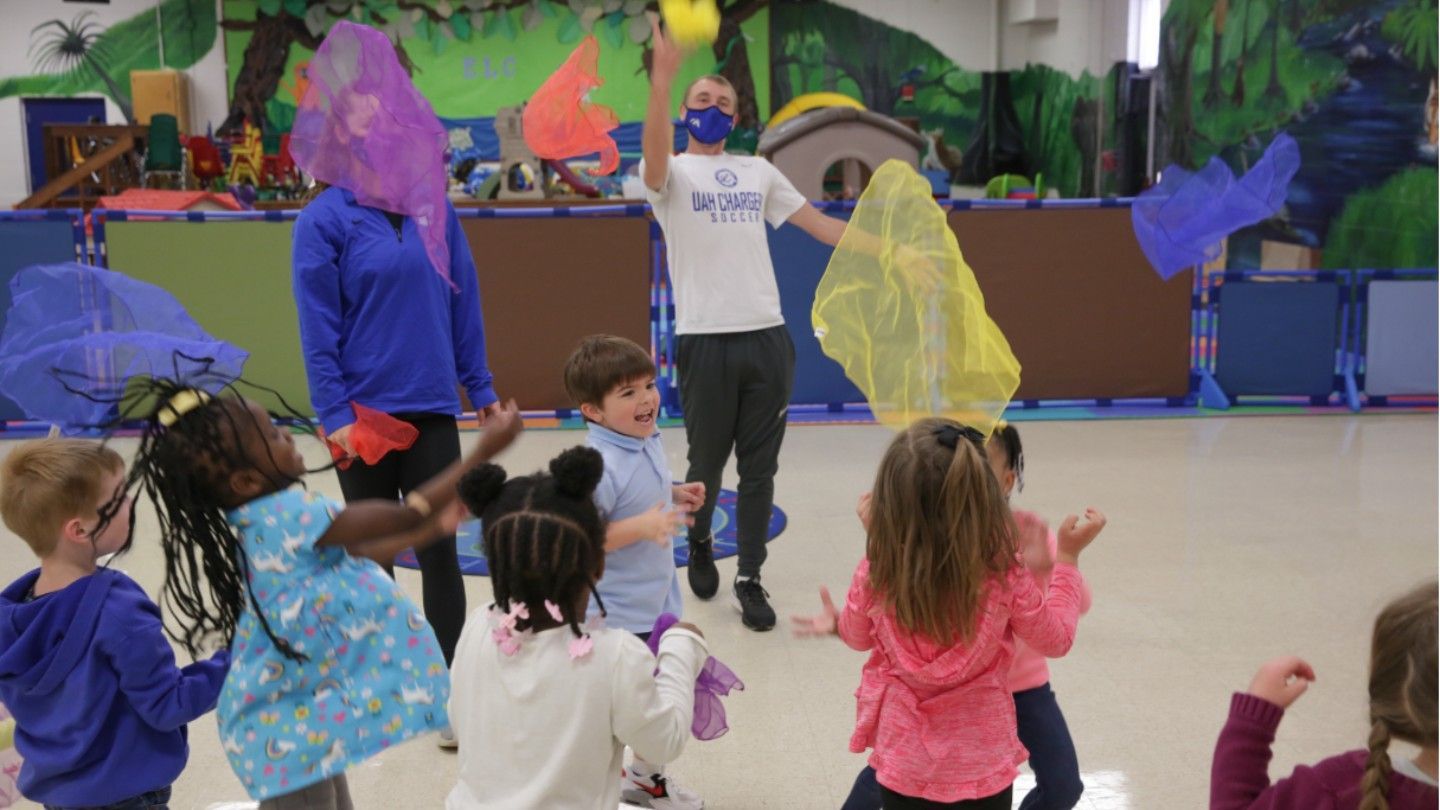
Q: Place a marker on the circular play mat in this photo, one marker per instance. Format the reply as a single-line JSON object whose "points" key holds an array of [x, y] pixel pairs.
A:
{"points": [[472, 555]]}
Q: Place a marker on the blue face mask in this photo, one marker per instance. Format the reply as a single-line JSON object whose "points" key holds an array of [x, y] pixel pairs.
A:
{"points": [[709, 125]]}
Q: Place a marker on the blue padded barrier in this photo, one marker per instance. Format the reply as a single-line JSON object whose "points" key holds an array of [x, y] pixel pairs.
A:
{"points": [[1279, 334]]}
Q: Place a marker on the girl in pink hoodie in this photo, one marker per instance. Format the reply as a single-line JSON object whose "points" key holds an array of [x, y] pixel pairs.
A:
{"points": [[938, 601]]}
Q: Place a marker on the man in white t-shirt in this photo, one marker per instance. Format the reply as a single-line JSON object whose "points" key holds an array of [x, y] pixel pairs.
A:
{"points": [[735, 359]]}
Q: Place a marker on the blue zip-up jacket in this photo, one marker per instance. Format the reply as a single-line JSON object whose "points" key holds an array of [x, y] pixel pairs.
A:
{"points": [[100, 707], [378, 325]]}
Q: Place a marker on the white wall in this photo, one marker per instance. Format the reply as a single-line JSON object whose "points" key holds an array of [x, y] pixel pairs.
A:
{"points": [[962, 30], [1073, 36], [1082, 35], [208, 95]]}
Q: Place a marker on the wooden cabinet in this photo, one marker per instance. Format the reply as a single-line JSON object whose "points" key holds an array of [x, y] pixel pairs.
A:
{"points": [[161, 91]]}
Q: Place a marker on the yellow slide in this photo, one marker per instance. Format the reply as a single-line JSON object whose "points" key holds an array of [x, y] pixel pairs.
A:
{"points": [[808, 102]]}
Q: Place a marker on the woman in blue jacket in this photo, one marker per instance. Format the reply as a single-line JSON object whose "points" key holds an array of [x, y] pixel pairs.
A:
{"points": [[380, 328]]}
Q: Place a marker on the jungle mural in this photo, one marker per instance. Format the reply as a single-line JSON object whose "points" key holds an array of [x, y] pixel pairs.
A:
{"points": [[76, 55], [473, 57], [1042, 121], [1353, 81]]}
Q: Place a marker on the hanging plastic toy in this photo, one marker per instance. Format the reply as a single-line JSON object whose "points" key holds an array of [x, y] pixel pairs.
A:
{"points": [[691, 23], [364, 127], [75, 334], [902, 313], [1181, 221], [561, 122]]}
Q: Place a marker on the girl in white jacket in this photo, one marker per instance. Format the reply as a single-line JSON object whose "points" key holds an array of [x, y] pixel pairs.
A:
{"points": [[543, 702]]}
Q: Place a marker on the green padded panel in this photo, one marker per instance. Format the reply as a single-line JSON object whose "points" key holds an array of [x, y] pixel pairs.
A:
{"points": [[234, 279]]}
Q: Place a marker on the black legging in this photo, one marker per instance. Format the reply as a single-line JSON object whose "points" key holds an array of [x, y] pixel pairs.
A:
{"points": [[397, 473], [896, 801]]}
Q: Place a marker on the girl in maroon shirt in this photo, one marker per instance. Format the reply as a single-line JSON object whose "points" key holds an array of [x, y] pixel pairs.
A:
{"points": [[1403, 688]]}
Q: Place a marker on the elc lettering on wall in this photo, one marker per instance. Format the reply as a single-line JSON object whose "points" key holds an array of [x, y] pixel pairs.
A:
{"points": [[485, 68]]}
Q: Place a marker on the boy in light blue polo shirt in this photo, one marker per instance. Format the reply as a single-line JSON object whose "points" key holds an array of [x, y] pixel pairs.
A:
{"points": [[612, 380]]}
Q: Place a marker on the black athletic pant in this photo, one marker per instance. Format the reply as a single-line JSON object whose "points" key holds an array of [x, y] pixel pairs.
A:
{"points": [[397, 473], [735, 390]]}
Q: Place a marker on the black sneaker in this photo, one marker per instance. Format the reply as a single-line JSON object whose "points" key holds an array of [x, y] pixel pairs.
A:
{"points": [[752, 602], [700, 570]]}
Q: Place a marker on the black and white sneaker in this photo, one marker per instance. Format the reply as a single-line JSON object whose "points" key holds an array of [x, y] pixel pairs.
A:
{"points": [[753, 603], [700, 570]]}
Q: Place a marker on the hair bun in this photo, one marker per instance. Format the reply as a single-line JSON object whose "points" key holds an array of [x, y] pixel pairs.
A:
{"points": [[577, 472], [480, 486]]}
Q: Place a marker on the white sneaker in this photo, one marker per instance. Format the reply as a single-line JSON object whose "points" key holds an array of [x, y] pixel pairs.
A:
{"points": [[659, 792], [447, 739]]}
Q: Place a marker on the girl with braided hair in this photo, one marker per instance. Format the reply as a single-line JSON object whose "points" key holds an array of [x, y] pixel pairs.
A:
{"points": [[1403, 684], [543, 700], [332, 664]]}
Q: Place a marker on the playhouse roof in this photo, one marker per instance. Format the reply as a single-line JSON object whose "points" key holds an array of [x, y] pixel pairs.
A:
{"points": [[152, 199], [803, 125]]}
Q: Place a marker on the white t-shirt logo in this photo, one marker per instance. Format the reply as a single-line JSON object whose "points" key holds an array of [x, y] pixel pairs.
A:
{"points": [[726, 178]]}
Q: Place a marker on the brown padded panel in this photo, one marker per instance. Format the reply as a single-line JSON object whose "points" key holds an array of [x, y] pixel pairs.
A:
{"points": [[547, 283], [1083, 310]]}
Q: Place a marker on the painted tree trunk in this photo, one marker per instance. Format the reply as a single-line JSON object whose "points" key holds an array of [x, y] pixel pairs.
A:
{"points": [[260, 73], [1177, 54], [734, 57], [1217, 42], [1274, 90]]}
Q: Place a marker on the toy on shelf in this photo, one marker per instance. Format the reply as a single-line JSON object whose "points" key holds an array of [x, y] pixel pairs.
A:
{"points": [[247, 158], [205, 161], [278, 169], [520, 170]]}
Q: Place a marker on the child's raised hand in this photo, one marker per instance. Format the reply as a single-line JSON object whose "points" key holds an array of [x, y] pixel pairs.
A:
{"points": [[1078, 532], [501, 428], [862, 511], [825, 624], [1282, 680], [1035, 544], [689, 497], [661, 524]]}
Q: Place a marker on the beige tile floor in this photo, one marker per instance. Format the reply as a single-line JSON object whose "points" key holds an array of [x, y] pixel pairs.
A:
{"points": [[1230, 541]]}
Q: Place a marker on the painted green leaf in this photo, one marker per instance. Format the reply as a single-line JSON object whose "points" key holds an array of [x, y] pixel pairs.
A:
{"points": [[269, 7], [460, 24], [508, 29], [615, 29], [569, 32], [296, 8], [492, 23], [547, 8]]}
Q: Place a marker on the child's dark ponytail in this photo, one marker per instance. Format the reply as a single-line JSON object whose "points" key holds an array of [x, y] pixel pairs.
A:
{"points": [[1009, 440]]}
